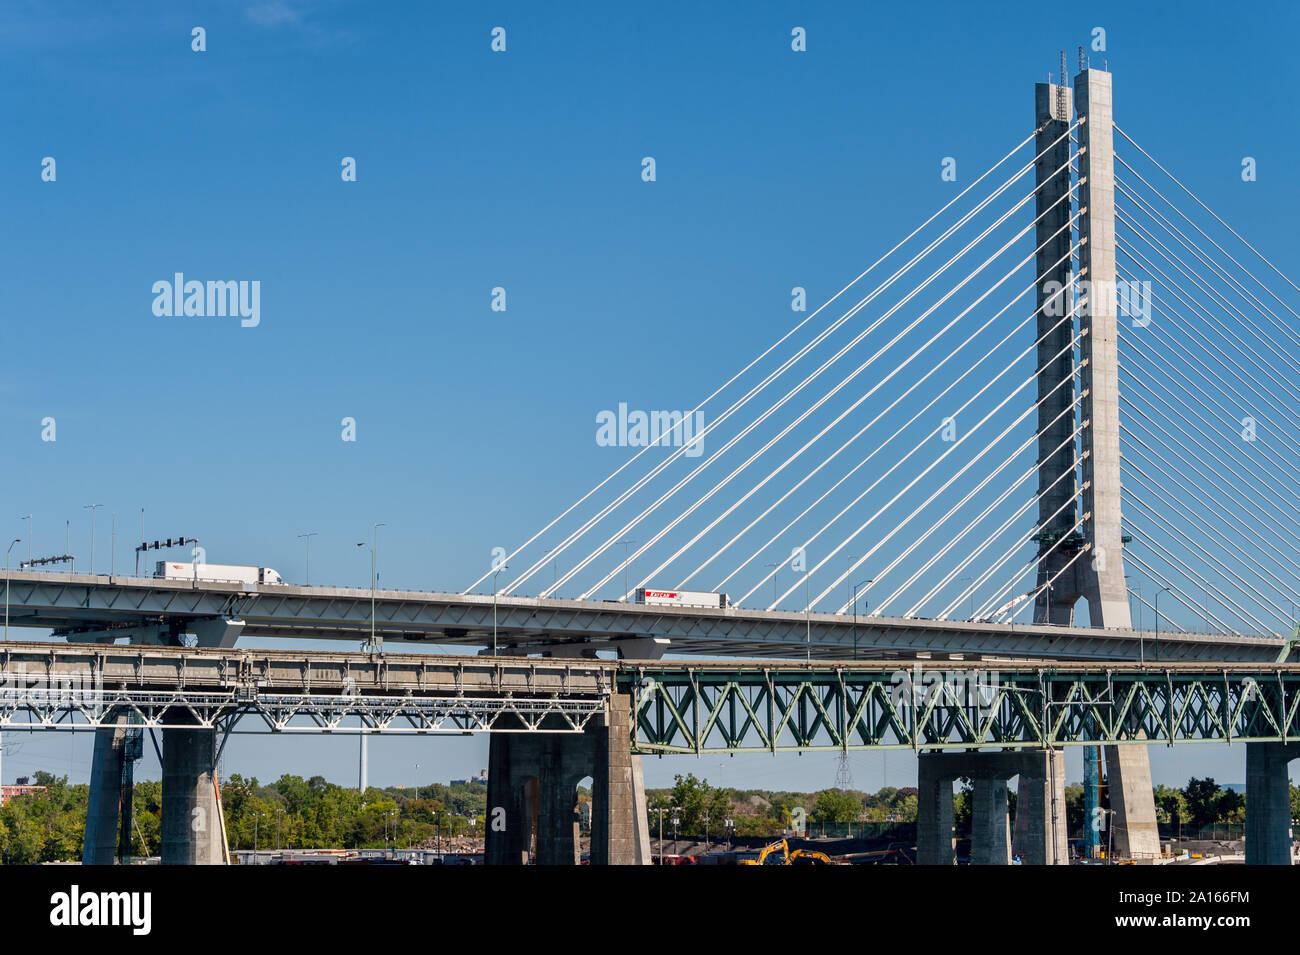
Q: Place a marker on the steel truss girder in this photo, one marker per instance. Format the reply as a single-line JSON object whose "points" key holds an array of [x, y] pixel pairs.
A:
{"points": [[294, 713], [689, 710]]}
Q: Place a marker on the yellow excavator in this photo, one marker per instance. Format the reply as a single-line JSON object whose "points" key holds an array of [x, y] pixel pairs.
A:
{"points": [[777, 853], [809, 857]]}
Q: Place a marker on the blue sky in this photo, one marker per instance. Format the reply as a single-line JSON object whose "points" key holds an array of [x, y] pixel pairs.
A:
{"points": [[477, 170]]}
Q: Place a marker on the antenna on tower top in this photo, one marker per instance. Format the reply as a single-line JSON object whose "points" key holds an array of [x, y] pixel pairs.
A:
{"points": [[1083, 60], [1064, 72]]}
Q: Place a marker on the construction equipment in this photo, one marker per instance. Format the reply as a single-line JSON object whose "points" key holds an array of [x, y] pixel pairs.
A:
{"points": [[810, 857], [768, 855]]}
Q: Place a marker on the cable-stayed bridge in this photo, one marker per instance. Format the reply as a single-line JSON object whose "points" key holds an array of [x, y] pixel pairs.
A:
{"points": [[1071, 387]]}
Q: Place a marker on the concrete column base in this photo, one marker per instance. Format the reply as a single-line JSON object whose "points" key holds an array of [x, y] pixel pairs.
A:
{"points": [[103, 811], [532, 795], [990, 823], [1268, 803], [1040, 808], [1132, 802], [192, 829]]}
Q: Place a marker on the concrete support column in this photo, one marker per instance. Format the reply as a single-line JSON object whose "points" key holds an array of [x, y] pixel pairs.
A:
{"points": [[1132, 802], [552, 765], [99, 847], [509, 806], [192, 829], [620, 825], [990, 824], [1041, 837], [934, 844], [1268, 803]]}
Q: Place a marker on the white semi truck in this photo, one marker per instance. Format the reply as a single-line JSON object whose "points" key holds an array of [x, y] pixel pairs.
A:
{"points": [[682, 598], [175, 570]]}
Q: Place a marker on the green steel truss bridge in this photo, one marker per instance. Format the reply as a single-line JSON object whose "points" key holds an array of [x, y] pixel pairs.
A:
{"points": [[679, 707], [769, 709]]}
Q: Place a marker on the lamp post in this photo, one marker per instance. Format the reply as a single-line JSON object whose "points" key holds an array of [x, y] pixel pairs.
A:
{"points": [[309, 535], [778, 567], [16, 540], [1158, 593], [807, 613], [869, 580], [625, 544], [374, 548], [494, 605], [91, 508]]}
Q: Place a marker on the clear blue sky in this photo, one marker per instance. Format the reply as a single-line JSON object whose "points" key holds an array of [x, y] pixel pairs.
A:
{"points": [[478, 170]]}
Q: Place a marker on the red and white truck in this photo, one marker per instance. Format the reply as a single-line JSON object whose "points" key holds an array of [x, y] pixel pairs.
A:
{"points": [[682, 598]]}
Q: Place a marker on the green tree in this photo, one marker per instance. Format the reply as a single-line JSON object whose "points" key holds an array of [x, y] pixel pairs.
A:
{"points": [[835, 806]]}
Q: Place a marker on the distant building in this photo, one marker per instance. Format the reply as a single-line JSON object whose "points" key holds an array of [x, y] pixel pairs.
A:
{"points": [[22, 787], [481, 779]]}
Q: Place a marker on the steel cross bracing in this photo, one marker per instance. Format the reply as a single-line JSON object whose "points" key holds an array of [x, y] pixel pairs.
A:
{"points": [[698, 709], [80, 688], [95, 608]]}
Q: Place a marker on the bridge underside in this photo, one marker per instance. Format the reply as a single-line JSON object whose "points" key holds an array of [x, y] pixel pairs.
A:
{"points": [[101, 609]]}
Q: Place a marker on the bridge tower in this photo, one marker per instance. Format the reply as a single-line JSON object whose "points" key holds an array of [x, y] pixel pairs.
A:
{"points": [[1098, 575]]}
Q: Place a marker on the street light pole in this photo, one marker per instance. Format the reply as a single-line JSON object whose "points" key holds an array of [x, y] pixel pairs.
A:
{"points": [[625, 558], [16, 540], [1158, 593], [869, 580], [91, 508], [374, 548], [807, 612], [494, 605], [309, 535]]}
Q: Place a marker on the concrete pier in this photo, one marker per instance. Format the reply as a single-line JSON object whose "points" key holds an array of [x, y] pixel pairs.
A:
{"points": [[1040, 807], [192, 828], [1268, 803], [532, 794], [103, 811]]}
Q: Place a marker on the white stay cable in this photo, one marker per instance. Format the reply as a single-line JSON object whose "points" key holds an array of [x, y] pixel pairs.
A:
{"points": [[1178, 594], [667, 495], [554, 552], [1009, 615], [958, 507], [948, 205], [1205, 443], [1193, 576], [1146, 482], [904, 458], [895, 370], [1203, 286], [933, 370], [997, 532], [1215, 267], [999, 595], [1229, 390], [1177, 182], [948, 483]]}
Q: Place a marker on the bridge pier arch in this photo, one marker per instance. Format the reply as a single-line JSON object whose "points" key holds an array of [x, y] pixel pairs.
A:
{"points": [[1268, 802], [1040, 837], [532, 794]]}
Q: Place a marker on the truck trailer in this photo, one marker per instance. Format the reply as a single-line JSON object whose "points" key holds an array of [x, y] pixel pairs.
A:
{"points": [[175, 570], [682, 598]]}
